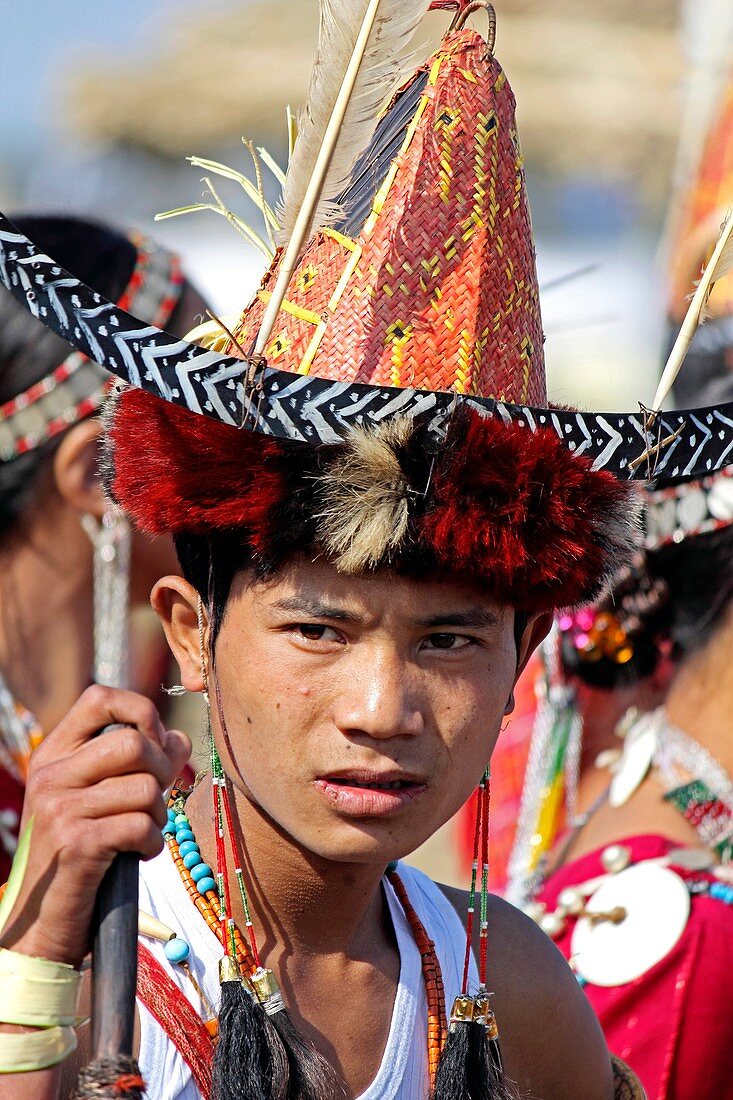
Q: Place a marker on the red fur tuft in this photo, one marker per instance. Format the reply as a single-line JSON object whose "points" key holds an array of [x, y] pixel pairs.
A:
{"points": [[522, 514], [512, 509], [175, 471]]}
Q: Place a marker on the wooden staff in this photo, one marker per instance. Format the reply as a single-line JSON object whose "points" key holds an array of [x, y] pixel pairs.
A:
{"points": [[113, 1073]]}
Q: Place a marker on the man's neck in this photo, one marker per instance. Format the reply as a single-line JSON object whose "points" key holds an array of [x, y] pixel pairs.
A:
{"points": [[311, 905], [46, 616]]}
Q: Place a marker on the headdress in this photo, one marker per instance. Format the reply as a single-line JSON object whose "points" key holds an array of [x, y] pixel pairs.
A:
{"points": [[406, 353], [78, 386], [706, 203]]}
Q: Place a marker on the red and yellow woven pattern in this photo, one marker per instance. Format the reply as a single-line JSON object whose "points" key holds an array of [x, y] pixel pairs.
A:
{"points": [[439, 290], [707, 203]]}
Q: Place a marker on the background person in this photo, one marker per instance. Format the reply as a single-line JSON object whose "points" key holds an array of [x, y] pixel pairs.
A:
{"points": [[57, 532]]}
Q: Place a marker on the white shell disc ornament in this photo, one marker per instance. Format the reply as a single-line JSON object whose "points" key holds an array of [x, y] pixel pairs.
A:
{"points": [[657, 907]]}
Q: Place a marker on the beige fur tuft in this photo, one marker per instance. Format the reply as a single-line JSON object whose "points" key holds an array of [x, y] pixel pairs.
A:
{"points": [[365, 498]]}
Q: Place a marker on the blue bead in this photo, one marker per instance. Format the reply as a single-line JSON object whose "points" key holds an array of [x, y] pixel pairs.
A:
{"points": [[192, 860], [169, 829], [177, 951], [728, 899], [181, 819], [184, 834], [202, 870], [171, 815], [718, 890], [205, 884], [188, 846]]}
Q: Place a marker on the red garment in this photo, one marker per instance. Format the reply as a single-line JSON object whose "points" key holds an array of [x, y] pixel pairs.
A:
{"points": [[674, 1024], [177, 1016], [11, 807]]}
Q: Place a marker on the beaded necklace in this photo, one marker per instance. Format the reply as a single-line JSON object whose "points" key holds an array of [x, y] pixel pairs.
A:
{"points": [[209, 892]]}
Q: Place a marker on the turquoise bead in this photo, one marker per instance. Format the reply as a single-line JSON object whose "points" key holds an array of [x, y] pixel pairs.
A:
{"points": [[181, 819], [192, 860], [171, 815], [184, 834], [169, 829], [188, 846], [718, 890], [177, 951], [728, 899], [202, 870], [205, 884]]}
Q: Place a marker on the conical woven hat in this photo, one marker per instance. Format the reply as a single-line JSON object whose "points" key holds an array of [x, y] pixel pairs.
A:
{"points": [[428, 278], [706, 204]]}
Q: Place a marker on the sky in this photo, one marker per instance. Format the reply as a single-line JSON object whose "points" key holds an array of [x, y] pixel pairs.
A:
{"points": [[38, 39], [42, 167]]}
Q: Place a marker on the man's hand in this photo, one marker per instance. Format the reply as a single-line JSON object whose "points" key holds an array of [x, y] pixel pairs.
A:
{"points": [[91, 797]]}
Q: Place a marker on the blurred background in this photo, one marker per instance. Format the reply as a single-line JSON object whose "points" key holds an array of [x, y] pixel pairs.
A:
{"points": [[100, 104]]}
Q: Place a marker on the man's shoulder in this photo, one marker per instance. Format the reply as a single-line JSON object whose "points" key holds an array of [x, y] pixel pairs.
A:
{"points": [[532, 985], [519, 949]]}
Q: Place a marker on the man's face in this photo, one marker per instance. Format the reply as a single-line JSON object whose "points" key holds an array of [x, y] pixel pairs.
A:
{"points": [[361, 712]]}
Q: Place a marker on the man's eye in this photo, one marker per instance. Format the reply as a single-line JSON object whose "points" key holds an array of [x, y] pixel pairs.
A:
{"points": [[316, 632], [312, 631], [447, 641]]}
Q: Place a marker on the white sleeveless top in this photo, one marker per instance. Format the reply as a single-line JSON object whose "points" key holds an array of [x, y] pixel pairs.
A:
{"points": [[403, 1072]]}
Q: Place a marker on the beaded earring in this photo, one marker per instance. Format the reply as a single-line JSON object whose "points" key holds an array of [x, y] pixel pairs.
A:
{"points": [[471, 1061]]}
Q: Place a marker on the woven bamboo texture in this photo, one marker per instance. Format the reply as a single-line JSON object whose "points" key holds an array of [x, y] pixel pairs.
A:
{"points": [[707, 203], [439, 289]]}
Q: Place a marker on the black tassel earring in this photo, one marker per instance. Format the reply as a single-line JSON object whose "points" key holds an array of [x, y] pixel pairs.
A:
{"points": [[248, 1064], [470, 1066]]}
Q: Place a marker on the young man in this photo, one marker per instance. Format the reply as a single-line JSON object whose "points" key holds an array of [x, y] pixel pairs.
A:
{"points": [[365, 577]]}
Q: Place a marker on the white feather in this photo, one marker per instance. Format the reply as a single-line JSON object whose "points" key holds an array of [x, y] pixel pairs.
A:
{"points": [[364, 78], [341, 22], [721, 262]]}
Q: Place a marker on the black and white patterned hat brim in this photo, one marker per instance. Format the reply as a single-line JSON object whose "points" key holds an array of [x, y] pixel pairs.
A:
{"points": [[633, 446]]}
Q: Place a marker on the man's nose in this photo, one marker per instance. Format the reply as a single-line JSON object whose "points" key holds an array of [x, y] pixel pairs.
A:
{"points": [[380, 698]]}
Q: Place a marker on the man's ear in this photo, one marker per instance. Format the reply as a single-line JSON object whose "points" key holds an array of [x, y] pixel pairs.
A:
{"points": [[536, 630], [177, 603], [76, 469]]}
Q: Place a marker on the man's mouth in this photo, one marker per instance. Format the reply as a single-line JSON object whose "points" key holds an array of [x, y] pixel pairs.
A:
{"points": [[371, 785], [370, 794]]}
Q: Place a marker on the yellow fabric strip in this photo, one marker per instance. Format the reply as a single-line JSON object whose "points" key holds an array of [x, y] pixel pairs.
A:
{"points": [[27, 1053], [37, 992]]}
